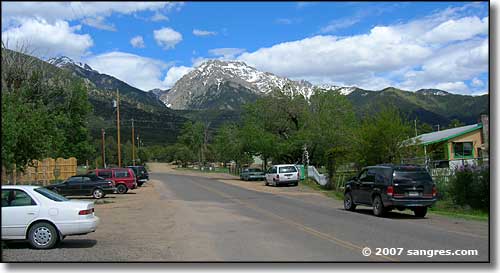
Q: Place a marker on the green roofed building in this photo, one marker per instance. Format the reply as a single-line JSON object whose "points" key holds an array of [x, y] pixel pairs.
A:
{"points": [[456, 146]]}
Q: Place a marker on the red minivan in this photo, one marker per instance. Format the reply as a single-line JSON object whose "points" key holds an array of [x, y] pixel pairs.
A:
{"points": [[123, 178]]}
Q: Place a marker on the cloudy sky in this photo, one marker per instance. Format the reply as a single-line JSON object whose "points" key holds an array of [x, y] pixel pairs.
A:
{"points": [[370, 45]]}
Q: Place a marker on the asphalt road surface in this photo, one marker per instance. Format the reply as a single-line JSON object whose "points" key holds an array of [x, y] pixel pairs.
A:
{"points": [[179, 217]]}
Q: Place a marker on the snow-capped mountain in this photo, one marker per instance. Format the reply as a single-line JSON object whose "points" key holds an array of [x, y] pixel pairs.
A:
{"points": [[215, 80], [64, 61], [435, 92]]}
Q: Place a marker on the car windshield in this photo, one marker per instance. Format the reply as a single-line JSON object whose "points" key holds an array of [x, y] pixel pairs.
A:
{"points": [[255, 170], [288, 169], [51, 195]]}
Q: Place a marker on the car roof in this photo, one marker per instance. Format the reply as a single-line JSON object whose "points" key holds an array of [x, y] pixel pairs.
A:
{"points": [[284, 165], [25, 187]]}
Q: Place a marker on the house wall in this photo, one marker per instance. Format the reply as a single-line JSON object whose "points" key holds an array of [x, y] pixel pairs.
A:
{"points": [[474, 137]]}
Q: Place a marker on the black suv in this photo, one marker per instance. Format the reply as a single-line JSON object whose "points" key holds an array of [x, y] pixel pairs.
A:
{"points": [[387, 187], [141, 174]]}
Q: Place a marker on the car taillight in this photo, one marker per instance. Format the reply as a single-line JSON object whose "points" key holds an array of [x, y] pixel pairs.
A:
{"points": [[390, 190], [434, 191], [277, 176], [298, 175], [86, 212]]}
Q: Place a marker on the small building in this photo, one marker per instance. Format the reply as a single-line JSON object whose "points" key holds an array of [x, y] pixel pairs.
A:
{"points": [[456, 146]]}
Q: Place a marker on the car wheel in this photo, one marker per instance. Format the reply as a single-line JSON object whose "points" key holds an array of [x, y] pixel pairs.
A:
{"points": [[42, 235], [121, 189], [420, 211], [98, 194], [296, 184], [267, 184], [139, 184], [348, 202], [378, 206]]}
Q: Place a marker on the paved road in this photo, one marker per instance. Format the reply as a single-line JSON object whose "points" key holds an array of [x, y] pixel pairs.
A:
{"points": [[179, 217], [236, 224]]}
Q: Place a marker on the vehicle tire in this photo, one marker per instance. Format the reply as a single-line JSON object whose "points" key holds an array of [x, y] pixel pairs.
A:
{"points": [[97, 194], [267, 184], [348, 202], [420, 211], [43, 235], [121, 189], [139, 184], [295, 184], [378, 206]]}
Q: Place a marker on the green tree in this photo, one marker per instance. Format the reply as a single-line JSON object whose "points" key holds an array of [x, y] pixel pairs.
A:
{"points": [[330, 130], [193, 137], [380, 138]]}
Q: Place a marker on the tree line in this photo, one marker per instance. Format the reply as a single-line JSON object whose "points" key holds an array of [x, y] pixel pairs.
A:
{"points": [[279, 128]]}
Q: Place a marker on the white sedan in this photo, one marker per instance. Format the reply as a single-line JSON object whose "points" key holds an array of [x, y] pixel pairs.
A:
{"points": [[42, 216]]}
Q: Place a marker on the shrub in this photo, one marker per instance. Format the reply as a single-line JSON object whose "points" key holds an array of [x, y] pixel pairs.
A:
{"points": [[470, 186]]}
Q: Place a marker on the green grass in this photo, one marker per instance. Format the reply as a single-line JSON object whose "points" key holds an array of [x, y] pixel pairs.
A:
{"points": [[330, 193], [447, 208]]}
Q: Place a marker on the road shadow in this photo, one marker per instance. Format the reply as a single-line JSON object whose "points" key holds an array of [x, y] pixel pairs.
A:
{"points": [[65, 244], [395, 215], [90, 198]]}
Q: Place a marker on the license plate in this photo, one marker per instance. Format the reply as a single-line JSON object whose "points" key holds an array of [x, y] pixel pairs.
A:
{"points": [[413, 193], [288, 174]]}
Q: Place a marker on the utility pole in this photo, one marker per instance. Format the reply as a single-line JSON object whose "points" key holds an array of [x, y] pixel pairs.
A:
{"points": [[103, 149], [118, 127], [415, 127], [133, 144], [138, 142]]}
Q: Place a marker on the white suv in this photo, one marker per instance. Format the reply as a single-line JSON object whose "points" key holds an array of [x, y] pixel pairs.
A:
{"points": [[282, 174]]}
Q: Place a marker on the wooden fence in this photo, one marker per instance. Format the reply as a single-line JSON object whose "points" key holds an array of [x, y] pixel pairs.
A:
{"points": [[41, 172]]}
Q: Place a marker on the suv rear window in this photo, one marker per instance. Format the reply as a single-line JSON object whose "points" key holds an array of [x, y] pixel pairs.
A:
{"points": [[120, 174], [288, 169], [418, 175]]}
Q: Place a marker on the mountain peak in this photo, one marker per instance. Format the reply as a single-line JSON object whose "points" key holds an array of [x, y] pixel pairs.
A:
{"points": [[436, 92], [63, 61]]}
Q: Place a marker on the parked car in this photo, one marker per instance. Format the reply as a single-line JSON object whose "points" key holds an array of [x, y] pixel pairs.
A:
{"points": [[88, 184], [282, 174], [248, 174], [387, 187], [123, 178], [141, 174], [43, 217]]}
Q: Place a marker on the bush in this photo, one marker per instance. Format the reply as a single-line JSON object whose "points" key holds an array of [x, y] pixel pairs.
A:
{"points": [[470, 186]]}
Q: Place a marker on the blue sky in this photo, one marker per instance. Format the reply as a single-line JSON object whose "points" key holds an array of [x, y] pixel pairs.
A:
{"points": [[366, 44]]}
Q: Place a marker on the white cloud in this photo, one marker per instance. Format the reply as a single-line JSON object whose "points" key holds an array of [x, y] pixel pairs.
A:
{"points": [[137, 42], [337, 24], [457, 30], [157, 17], [445, 49], [99, 23], [174, 74], [48, 40], [198, 32], [167, 37], [54, 11], [284, 21], [141, 72], [226, 52], [477, 82]]}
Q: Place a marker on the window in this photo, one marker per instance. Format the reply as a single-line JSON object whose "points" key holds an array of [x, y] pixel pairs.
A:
{"points": [[462, 149], [105, 174], [274, 170], [16, 198], [121, 174], [86, 179], [367, 176], [383, 175], [75, 180], [288, 169], [50, 195]]}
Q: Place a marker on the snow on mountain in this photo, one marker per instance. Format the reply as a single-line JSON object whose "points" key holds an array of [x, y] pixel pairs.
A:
{"points": [[65, 61], [435, 92], [209, 78]]}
